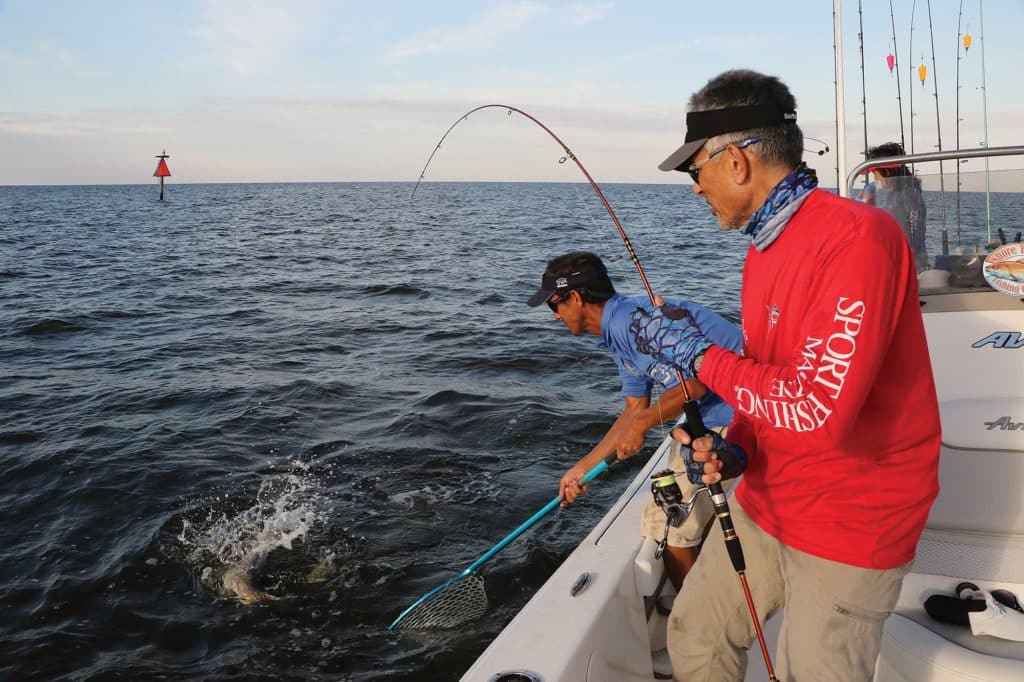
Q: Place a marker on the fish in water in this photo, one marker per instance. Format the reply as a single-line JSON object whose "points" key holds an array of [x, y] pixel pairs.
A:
{"points": [[239, 580], [1008, 269]]}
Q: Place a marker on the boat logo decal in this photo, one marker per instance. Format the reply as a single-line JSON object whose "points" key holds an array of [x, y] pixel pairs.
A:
{"points": [[1001, 340], [1004, 269], [1004, 424]]}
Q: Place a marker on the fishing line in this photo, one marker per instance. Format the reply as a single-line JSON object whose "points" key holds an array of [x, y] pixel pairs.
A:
{"points": [[629, 277], [694, 420], [608, 246], [663, 428]]}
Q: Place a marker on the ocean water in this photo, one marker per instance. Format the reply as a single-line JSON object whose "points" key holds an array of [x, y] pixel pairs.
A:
{"points": [[332, 378]]}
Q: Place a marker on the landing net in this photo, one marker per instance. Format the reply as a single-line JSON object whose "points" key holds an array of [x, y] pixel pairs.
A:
{"points": [[458, 602]]}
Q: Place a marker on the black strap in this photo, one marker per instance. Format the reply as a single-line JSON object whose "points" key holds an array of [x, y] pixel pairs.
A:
{"points": [[701, 125]]}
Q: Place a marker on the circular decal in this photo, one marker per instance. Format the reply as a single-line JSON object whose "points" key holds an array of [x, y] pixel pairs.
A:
{"points": [[1004, 269]]}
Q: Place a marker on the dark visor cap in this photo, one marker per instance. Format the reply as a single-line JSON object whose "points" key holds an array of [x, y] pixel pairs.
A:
{"points": [[561, 285], [702, 125]]}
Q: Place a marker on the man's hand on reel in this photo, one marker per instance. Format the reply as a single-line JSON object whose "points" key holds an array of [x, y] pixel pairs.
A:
{"points": [[710, 459]]}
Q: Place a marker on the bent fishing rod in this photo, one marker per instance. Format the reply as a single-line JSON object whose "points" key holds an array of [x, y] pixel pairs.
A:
{"points": [[695, 423]]}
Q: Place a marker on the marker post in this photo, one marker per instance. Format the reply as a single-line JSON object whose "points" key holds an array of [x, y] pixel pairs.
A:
{"points": [[162, 171]]}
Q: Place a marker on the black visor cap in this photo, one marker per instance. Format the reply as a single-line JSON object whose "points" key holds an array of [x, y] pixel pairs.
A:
{"points": [[703, 125], [550, 285]]}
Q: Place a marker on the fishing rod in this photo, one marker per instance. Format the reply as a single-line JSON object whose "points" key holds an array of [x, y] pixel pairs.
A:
{"points": [[840, 93], [938, 133], [863, 79], [896, 66], [910, 75], [568, 155], [695, 423], [959, 37]]}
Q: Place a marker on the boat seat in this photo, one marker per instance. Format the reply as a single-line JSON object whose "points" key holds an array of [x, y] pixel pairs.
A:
{"points": [[962, 637], [980, 470], [914, 648]]}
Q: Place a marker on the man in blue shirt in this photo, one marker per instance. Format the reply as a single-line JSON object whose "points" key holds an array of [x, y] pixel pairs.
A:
{"points": [[578, 290]]}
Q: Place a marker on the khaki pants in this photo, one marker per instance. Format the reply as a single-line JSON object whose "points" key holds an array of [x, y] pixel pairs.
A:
{"points": [[833, 612]]}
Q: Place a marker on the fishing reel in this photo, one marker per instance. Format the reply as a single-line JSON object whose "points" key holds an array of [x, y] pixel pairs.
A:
{"points": [[669, 497]]}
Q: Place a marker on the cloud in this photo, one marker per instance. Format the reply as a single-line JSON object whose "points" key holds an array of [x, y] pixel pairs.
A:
{"points": [[93, 125], [250, 34], [54, 53], [349, 139], [586, 12], [509, 90], [713, 44], [485, 32], [51, 56], [7, 57]]}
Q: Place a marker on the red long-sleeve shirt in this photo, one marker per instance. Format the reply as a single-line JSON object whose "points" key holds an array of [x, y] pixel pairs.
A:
{"points": [[834, 396]]}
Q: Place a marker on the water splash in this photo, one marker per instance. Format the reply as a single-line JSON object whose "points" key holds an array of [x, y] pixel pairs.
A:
{"points": [[224, 544]]}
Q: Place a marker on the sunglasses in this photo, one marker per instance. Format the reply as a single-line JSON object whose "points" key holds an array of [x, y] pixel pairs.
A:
{"points": [[553, 302], [1004, 597], [694, 171], [1008, 599]]}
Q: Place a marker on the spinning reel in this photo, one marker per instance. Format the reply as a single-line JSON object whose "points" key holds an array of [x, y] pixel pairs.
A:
{"points": [[669, 497]]}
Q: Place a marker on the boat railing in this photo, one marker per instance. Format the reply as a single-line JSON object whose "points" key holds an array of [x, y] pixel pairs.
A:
{"points": [[956, 216], [973, 153]]}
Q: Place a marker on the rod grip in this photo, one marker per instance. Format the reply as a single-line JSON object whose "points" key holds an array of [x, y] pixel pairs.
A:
{"points": [[732, 541], [694, 422], [695, 426]]}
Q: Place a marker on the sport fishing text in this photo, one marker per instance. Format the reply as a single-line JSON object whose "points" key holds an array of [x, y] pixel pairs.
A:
{"points": [[798, 404]]}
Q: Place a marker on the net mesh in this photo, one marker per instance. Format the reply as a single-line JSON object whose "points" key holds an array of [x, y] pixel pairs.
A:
{"points": [[458, 602]]}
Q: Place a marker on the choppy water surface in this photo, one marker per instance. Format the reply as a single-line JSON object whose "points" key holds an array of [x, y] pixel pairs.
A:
{"points": [[329, 376]]}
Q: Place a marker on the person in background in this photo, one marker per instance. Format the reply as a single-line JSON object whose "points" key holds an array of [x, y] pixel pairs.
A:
{"points": [[578, 290], [836, 417], [897, 191]]}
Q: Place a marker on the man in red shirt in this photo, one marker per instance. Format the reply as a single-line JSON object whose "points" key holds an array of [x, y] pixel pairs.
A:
{"points": [[836, 415]]}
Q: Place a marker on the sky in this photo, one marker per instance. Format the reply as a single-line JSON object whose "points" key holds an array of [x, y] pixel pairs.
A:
{"points": [[311, 90]]}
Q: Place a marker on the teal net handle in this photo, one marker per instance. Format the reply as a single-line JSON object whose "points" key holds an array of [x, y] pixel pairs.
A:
{"points": [[546, 509], [591, 475]]}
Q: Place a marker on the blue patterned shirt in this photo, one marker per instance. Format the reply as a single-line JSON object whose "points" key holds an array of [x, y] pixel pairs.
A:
{"points": [[640, 371]]}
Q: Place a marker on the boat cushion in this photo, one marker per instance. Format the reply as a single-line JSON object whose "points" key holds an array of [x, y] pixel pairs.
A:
{"points": [[961, 636], [979, 492], [916, 648]]}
